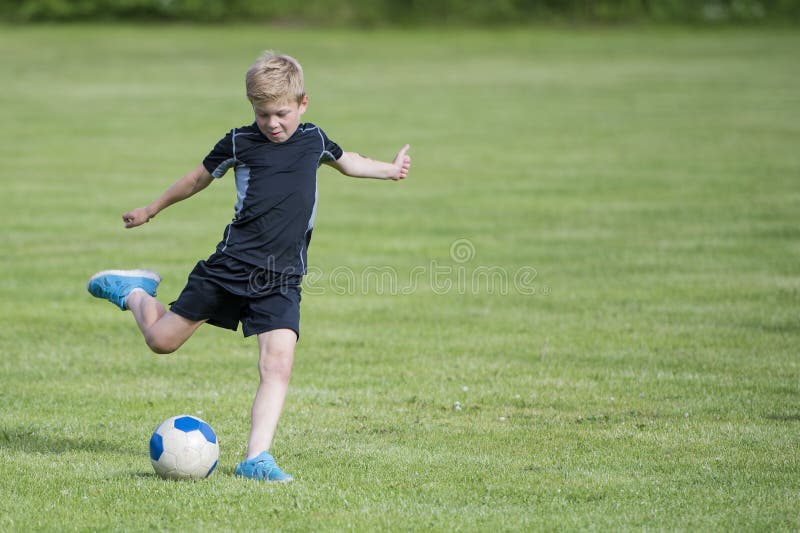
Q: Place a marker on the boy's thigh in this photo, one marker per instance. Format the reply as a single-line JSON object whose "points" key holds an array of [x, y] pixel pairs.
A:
{"points": [[204, 300], [279, 309], [173, 329], [277, 343]]}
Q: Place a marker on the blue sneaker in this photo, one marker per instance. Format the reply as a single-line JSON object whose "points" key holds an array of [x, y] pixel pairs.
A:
{"points": [[262, 467], [116, 285]]}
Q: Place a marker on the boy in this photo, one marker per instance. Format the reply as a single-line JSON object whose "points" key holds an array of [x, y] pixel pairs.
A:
{"points": [[255, 274]]}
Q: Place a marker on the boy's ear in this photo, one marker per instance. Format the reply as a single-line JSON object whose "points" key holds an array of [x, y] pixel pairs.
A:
{"points": [[303, 104]]}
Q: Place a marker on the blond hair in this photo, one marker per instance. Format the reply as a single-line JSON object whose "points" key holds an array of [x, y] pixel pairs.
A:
{"points": [[275, 77]]}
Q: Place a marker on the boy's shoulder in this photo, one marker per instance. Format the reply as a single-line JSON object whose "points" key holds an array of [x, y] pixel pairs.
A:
{"points": [[308, 127], [249, 129]]}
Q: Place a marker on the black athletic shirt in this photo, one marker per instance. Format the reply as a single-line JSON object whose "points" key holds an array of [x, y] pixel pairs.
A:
{"points": [[276, 189]]}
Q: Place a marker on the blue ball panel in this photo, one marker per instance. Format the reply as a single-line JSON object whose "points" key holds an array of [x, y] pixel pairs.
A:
{"points": [[156, 447], [207, 432], [212, 468], [187, 423]]}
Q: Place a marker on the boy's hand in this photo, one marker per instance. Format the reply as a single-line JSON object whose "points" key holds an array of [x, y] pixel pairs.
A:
{"points": [[402, 163], [137, 217]]}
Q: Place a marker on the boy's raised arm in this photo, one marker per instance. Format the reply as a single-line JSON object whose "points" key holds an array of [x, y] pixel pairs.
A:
{"points": [[194, 181], [358, 166]]}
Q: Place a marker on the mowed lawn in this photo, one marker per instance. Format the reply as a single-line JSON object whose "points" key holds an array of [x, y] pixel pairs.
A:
{"points": [[579, 312]]}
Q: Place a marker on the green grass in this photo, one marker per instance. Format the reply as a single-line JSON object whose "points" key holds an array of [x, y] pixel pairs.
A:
{"points": [[651, 381]]}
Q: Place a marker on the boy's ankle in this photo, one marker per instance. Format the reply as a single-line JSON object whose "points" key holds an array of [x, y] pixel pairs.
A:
{"points": [[133, 296]]}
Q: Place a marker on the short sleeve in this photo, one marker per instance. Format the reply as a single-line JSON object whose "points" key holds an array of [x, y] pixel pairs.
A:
{"points": [[222, 156], [330, 150]]}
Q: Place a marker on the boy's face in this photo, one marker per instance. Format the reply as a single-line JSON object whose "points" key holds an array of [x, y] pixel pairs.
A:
{"points": [[279, 119]]}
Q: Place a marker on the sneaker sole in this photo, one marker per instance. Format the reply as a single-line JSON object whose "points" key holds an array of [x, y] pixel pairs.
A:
{"points": [[142, 273]]}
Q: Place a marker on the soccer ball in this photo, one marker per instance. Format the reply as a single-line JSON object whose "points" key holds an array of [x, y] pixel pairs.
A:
{"points": [[184, 447]]}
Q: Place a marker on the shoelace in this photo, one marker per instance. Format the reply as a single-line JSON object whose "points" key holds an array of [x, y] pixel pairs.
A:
{"points": [[109, 285], [264, 467]]}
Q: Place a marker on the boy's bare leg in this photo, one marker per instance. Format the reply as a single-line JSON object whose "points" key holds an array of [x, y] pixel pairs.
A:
{"points": [[164, 331], [276, 356]]}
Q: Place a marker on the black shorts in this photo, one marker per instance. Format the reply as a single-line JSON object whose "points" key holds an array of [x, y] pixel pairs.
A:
{"points": [[224, 291]]}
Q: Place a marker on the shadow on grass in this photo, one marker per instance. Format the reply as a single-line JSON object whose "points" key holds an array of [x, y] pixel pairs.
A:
{"points": [[780, 417], [44, 441], [152, 475], [139, 475]]}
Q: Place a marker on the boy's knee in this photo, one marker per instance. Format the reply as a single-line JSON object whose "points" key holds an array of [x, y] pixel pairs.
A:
{"points": [[276, 363], [160, 345]]}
